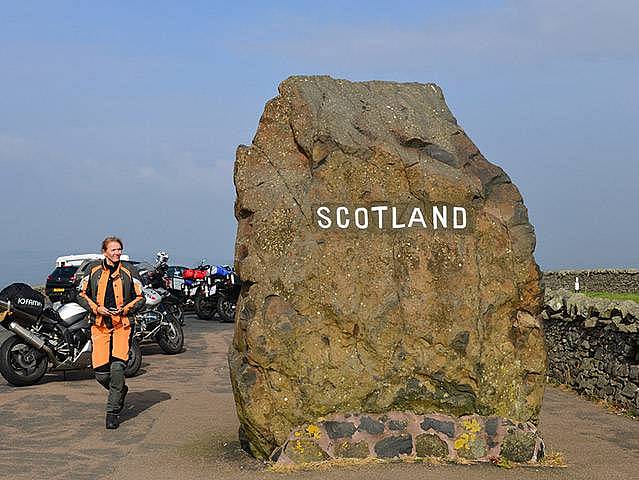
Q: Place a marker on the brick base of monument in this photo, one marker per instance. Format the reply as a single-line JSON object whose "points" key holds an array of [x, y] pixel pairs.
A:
{"points": [[392, 435]]}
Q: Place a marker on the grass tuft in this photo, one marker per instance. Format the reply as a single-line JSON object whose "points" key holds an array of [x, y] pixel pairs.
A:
{"points": [[613, 296], [553, 459], [322, 466]]}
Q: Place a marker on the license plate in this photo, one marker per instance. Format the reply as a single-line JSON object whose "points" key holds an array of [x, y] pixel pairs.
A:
{"points": [[58, 290]]}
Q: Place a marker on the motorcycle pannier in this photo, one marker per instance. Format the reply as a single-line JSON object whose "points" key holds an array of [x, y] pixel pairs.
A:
{"points": [[188, 274], [200, 274], [23, 298]]}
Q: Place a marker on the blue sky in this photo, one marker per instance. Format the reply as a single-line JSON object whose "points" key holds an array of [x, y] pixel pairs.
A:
{"points": [[123, 117]]}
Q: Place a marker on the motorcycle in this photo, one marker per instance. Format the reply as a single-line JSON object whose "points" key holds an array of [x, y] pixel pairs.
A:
{"points": [[156, 322], [194, 281], [157, 279], [46, 339], [219, 294]]}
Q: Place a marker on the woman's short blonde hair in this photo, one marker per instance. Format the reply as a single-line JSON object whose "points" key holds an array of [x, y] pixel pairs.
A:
{"points": [[108, 240]]}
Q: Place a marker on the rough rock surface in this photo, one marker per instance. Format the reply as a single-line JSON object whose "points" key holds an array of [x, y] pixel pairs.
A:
{"points": [[377, 320]]}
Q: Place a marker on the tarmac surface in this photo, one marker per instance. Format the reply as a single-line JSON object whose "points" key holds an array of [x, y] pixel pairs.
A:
{"points": [[180, 422]]}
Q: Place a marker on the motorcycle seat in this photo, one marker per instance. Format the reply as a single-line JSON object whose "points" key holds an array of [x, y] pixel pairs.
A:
{"points": [[53, 315]]}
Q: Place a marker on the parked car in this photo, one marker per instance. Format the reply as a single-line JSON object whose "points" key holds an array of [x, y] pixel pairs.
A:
{"points": [[61, 280]]}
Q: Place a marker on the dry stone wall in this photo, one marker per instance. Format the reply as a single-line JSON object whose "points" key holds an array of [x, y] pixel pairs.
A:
{"points": [[593, 346], [602, 280]]}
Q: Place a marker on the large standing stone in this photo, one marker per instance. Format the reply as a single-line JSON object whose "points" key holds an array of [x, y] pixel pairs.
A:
{"points": [[373, 319]]}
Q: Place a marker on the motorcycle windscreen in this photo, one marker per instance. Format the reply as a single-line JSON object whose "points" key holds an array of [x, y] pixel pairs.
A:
{"points": [[23, 298]]}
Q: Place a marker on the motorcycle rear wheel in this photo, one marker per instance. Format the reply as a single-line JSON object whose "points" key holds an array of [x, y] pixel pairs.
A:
{"points": [[171, 336], [134, 362], [20, 363], [225, 309], [204, 307]]}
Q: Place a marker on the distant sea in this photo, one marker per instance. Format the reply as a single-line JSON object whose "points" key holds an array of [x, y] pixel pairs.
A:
{"points": [[26, 266], [33, 266]]}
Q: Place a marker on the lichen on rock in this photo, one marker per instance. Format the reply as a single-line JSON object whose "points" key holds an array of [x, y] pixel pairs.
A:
{"points": [[430, 445], [518, 446]]}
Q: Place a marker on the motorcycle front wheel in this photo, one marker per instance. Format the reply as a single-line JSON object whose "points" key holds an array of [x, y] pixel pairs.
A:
{"points": [[171, 336], [20, 363], [178, 312], [134, 362]]}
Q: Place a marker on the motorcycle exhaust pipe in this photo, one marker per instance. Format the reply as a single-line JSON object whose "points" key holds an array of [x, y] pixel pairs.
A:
{"points": [[33, 340], [30, 337]]}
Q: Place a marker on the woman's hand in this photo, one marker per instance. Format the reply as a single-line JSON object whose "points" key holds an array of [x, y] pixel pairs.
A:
{"points": [[106, 311]]}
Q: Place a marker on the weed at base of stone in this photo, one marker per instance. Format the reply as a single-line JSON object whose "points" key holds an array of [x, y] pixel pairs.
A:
{"points": [[323, 466], [501, 462], [428, 460], [553, 460], [550, 460]]}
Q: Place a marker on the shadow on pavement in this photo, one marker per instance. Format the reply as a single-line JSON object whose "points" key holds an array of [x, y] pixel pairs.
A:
{"points": [[138, 402], [68, 375], [76, 375], [154, 349]]}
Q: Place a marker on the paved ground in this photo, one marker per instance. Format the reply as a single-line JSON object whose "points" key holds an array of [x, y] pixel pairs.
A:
{"points": [[180, 423]]}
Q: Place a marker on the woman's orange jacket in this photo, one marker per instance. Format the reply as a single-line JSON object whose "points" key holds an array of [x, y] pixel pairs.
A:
{"points": [[127, 288]]}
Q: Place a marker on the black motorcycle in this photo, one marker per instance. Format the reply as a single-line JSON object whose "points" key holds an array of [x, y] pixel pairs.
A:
{"points": [[219, 295], [46, 339]]}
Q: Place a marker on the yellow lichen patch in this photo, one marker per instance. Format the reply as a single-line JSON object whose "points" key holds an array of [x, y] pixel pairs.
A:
{"points": [[313, 431], [463, 441], [298, 447], [472, 425]]}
